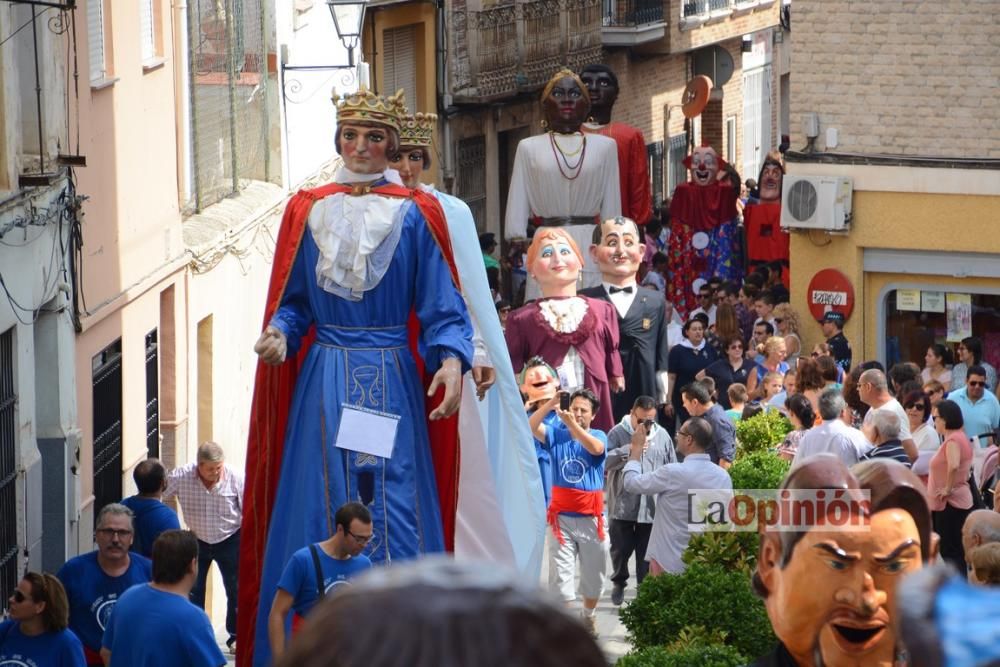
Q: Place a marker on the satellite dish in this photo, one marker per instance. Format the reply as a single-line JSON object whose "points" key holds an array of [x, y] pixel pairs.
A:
{"points": [[695, 96], [715, 63]]}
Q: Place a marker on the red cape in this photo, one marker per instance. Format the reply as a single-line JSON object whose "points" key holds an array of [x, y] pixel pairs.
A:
{"points": [[766, 240], [272, 397]]}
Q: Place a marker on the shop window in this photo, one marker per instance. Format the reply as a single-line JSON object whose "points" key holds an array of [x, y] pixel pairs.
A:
{"points": [[915, 319]]}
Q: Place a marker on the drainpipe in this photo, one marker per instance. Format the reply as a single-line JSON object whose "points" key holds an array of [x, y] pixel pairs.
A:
{"points": [[444, 103], [182, 101]]}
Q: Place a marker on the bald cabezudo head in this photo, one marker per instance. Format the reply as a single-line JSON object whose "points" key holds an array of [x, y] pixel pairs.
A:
{"points": [[617, 249]]}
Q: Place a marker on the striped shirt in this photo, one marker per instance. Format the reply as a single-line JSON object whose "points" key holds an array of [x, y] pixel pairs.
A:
{"points": [[890, 449], [214, 514]]}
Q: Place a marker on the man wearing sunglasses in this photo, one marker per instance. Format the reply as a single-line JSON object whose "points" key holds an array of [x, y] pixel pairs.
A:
{"points": [[94, 581], [318, 569], [980, 408]]}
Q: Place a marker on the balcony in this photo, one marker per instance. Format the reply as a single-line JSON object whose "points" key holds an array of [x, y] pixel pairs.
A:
{"points": [[695, 13], [513, 48], [632, 22], [496, 57]]}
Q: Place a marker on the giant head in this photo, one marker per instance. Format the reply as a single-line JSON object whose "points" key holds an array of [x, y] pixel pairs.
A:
{"points": [[704, 164], [416, 135], [771, 174], [602, 87], [565, 102], [617, 249], [554, 260], [829, 587], [368, 129], [538, 381]]}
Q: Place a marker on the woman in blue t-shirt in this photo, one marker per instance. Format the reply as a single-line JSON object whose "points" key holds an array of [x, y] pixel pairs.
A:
{"points": [[37, 634]]}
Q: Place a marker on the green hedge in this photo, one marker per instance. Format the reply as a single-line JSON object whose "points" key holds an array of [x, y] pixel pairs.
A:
{"points": [[761, 432], [711, 655], [703, 595], [759, 470]]}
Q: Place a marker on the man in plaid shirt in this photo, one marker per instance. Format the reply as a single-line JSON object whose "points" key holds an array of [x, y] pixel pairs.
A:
{"points": [[211, 498]]}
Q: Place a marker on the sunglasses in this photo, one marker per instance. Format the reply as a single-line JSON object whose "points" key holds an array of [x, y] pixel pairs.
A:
{"points": [[361, 539], [18, 595], [778, 320], [975, 383]]}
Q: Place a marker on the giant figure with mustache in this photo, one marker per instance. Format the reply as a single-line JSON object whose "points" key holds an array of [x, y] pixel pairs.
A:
{"points": [[766, 241]]}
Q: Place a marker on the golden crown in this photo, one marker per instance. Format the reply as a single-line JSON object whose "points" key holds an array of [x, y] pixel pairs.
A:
{"points": [[417, 129], [366, 106]]}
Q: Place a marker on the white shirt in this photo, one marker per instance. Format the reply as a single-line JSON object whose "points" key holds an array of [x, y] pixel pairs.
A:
{"points": [[832, 437], [621, 299], [670, 535], [894, 406], [213, 514]]}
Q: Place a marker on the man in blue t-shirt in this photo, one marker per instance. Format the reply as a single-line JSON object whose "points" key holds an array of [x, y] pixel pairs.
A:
{"points": [[95, 581], [152, 517], [577, 505], [154, 625], [318, 569]]}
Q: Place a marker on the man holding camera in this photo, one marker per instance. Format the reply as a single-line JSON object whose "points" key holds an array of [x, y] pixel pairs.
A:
{"points": [[631, 514], [577, 506]]}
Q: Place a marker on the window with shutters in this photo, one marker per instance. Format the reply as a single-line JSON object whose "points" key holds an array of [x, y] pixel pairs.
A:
{"points": [[147, 30], [99, 69], [399, 57]]}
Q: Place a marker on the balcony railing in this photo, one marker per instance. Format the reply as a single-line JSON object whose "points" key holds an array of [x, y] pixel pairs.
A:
{"points": [[702, 7], [583, 25], [542, 41], [632, 12], [496, 41]]}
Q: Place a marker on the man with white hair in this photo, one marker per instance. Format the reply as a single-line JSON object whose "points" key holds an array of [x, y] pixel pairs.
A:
{"points": [[211, 497], [980, 527], [873, 389], [885, 436], [833, 436]]}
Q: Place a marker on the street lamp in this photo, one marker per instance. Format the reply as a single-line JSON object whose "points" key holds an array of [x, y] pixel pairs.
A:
{"points": [[348, 19]]}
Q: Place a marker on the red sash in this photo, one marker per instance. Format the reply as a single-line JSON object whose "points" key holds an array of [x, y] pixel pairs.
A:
{"points": [[272, 397], [580, 502]]}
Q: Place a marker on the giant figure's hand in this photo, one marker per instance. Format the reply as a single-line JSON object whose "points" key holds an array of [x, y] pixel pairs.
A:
{"points": [[484, 377], [448, 376], [617, 385], [271, 347]]}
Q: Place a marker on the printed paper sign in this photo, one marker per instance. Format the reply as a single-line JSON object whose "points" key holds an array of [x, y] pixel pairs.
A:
{"points": [[367, 431], [908, 299], [959, 316], [932, 302]]}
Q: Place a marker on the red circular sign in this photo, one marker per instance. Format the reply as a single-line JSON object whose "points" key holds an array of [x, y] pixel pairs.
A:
{"points": [[830, 290]]}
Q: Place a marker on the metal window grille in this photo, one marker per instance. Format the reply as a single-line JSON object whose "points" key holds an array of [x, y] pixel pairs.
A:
{"points": [[471, 177], [152, 395], [654, 154], [8, 467], [107, 399], [147, 24], [229, 101], [675, 162], [95, 39]]}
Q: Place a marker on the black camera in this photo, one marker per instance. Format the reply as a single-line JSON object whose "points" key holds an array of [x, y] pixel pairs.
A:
{"points": [[564, 400], [647, 424]]}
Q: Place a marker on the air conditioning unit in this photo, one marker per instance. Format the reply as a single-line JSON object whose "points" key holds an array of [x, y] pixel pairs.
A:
{"points": [[816, 202]]}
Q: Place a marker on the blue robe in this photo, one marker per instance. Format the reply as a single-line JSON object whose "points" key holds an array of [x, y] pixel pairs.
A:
{"points": [[361, 358]]}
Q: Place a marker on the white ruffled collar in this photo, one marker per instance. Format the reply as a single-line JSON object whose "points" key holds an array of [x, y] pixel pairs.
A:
{"points": [[563, 315]]}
